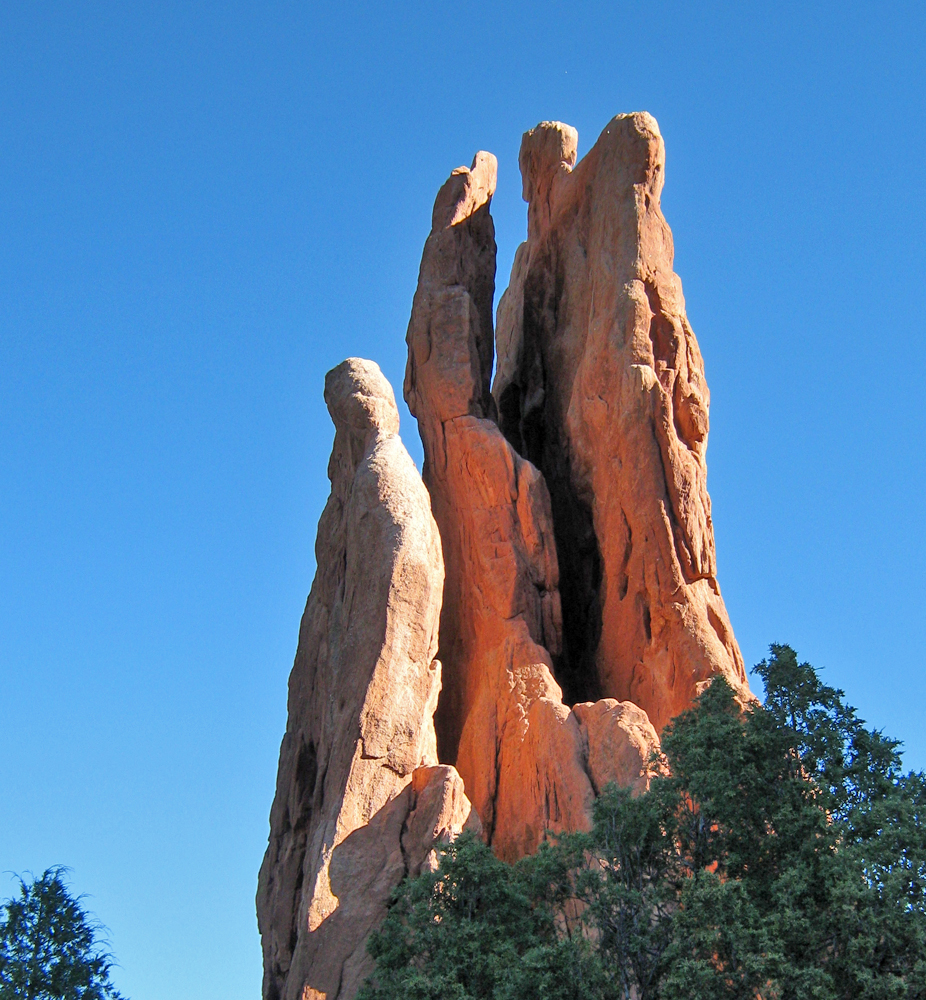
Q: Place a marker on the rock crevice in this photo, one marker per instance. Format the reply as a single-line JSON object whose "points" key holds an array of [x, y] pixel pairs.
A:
{"points": [[501, 719], [600, 383]]}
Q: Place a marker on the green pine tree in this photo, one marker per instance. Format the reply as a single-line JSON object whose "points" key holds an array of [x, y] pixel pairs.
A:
{"points": [[49, 947], [782, 857]]}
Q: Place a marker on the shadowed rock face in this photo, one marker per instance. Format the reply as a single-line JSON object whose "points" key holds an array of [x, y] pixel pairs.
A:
{"points": [[601, 385], [360, 797]]}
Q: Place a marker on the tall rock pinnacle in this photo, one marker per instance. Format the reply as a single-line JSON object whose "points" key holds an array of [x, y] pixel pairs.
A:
{"points": [[601, 385], [501, 718], [360, 798], [558, 556]]}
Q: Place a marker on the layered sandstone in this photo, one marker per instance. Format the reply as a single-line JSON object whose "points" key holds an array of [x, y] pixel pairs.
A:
{"points": [[360, 796], [501, 719], [600, 384]]}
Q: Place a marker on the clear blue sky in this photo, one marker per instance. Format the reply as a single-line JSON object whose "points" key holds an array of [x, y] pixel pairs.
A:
{"points": [[207, 205]]}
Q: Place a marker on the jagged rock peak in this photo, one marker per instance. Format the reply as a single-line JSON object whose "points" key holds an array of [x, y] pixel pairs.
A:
{"points": [[548, 153], [600, 383], [359, 790], [465, 191], [456, 289], [360, 399]]}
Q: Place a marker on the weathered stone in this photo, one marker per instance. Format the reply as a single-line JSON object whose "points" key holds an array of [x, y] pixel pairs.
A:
{"points": [[586, 459], [601, 385], [439, 811], [501, 719], [620, 744], [362, 694]]}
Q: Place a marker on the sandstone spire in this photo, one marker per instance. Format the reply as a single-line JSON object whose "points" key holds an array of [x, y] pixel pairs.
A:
{"points": [[360, 796], [501, 718], [601, 385], [580, 604]]}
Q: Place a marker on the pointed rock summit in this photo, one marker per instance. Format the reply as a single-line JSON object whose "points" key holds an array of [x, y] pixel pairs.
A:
{"points": [[600, 384], [360, 796], [489, 645]]}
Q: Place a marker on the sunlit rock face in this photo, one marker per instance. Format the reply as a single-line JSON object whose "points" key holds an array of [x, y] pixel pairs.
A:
{"points": [[501, 719], [358, 764], [600, 384], [490, 644]]}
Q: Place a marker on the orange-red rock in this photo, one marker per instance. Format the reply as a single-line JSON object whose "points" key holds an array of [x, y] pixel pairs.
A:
{"points": [[620, 744], [438, 811], [576, 534], [358, 762], [501, 719], [601, 385]]}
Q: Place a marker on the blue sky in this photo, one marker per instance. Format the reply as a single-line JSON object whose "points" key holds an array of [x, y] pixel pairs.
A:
{"points": [[206, 206]]}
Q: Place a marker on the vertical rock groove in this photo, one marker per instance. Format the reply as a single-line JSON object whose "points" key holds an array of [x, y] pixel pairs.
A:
{"points": [[600, 383]]}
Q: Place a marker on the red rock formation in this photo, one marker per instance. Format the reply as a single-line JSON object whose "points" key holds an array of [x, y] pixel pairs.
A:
{"points": [[600, 383], [501, 718], [360, 798], [592, 462], [620, 743]]}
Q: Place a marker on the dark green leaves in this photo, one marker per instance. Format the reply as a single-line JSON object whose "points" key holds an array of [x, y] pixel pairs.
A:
{"points": [[783, 856], [478, 927]]}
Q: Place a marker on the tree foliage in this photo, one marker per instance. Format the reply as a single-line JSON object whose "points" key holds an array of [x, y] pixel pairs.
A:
{"points": [[49, 947], [782, 857]]}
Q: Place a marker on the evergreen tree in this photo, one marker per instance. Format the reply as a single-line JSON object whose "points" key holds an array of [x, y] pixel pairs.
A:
{"points": [[49, 947], [474, 928], [782, 857]]}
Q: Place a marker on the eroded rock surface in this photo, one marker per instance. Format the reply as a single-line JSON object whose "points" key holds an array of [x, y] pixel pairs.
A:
{"points": [[581, 609], [358, 790], [600, 384], [501, 718], [621, 744]]}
